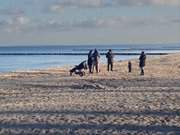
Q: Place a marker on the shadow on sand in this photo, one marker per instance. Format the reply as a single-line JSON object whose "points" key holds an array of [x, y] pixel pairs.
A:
{"points": [[118, 127]]}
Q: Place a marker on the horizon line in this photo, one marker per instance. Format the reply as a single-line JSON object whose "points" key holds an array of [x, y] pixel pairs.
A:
{"points": [[93, 44]]}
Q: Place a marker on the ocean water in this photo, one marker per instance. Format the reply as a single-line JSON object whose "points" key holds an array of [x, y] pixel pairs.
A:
{"points": [[21, 59]]}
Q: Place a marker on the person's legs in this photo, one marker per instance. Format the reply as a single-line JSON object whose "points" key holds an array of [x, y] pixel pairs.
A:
{"points": [[142, 71], [129, 67], [96, 64], [111, 66], [93, 66], [90, 68], [97, 68], [108, 67]]}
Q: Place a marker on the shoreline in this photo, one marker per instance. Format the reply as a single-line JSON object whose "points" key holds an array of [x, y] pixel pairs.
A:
{"points": [[118, 65], [69, 66], [124, 54], [34, 62]]}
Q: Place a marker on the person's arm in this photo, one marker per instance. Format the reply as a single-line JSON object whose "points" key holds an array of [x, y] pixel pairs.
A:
{"points": [[98, 55], [141, 57], [106, 55], [112, 55]]}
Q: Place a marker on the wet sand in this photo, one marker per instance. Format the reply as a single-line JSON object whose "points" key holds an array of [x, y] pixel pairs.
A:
{"points": [[52, 102]]}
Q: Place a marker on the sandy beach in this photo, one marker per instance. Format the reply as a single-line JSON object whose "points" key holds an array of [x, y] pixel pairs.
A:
{"points": [[44, 102]]}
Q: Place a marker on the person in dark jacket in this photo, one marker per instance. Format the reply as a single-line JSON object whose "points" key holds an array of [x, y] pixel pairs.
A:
{"points": [[142, 61], [109, 56], [96, 57], [90, 61]]}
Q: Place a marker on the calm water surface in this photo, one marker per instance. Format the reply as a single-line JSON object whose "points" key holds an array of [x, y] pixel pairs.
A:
{"points": [[29, 62]]}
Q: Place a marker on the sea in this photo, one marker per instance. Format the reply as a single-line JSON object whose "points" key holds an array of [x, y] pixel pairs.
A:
{"points": [[24, 58]]}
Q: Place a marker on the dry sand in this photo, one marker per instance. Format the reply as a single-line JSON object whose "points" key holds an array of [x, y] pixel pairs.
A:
{"points": [[51, 102]]}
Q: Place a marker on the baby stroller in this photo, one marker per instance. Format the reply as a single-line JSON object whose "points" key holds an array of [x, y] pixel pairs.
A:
{"points": [[79, 69]]}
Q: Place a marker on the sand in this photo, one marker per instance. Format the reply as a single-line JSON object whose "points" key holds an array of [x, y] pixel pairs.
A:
{"points": [[50, 101]]}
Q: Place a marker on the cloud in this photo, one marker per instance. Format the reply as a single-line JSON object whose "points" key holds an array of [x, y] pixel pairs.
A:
{"points": [[166, 2], [126, 22], [56, 8], [121, 22], [176, 20], [82, 3], [25, 24], [15, 24], [54, 25], [146, 2], [100, 22], [21, 20], [3, 24], [113, 3], [11, 12]]}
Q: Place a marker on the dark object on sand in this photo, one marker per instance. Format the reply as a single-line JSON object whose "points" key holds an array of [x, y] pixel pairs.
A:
{"points": [[110, 56], [79, 69], [142, 61], [129, 66]]}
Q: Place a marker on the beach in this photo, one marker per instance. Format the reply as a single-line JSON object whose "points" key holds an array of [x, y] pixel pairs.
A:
{"points": [[49, 101]]}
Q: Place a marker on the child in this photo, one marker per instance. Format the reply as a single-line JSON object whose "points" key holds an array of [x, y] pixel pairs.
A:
{"points": [[129, 66]]}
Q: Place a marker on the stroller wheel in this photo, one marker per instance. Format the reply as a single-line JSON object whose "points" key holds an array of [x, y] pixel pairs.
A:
{"points": [[82, 74]]}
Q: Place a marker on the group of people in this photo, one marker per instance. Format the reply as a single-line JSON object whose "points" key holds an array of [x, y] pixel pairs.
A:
{"points": [[93, 60], [93, 63]]}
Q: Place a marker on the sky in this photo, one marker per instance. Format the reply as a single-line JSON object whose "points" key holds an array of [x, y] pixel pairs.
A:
{"points": [[61, 22]]}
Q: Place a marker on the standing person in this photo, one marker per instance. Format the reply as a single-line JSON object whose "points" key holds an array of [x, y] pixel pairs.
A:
{"points": [[142, 60], [109, 56], [96, 57], [90, 61], [129, 66]]}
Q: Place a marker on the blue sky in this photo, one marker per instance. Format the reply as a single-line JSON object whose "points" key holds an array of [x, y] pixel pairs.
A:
{"points": [[45, 22]]}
